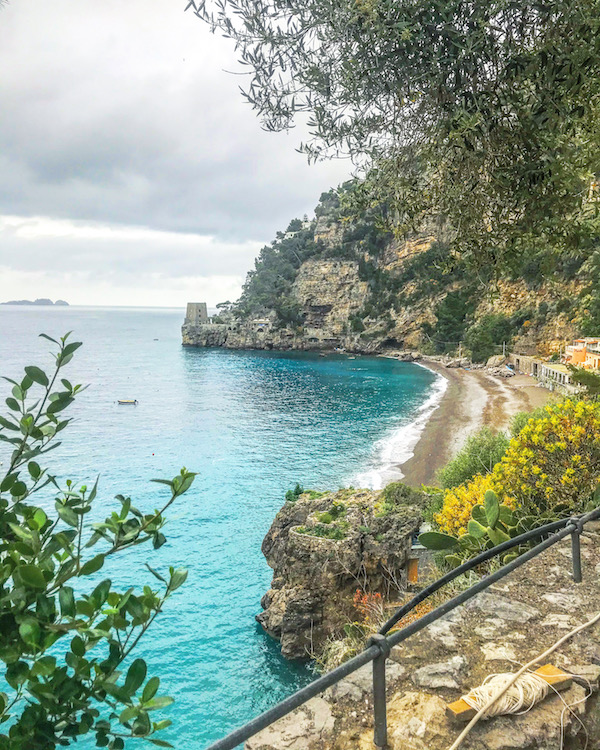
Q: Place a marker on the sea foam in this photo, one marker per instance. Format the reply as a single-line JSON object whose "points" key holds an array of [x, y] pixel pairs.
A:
{"points": [[393, 450]]}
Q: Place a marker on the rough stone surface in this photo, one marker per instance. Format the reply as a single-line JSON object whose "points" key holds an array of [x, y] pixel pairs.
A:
{"points": [[506, 622], [314, 579], [296, 731], [503, 608], [443, 674]]}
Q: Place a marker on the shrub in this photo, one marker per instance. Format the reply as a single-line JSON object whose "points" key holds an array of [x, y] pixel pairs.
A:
{"points": [[521, 418], [292, 495], [480, 454], [325, 517], [68, 641], [398, 494], [554, 462], [485, 337], [550, 468], [459, 501], [323, 530]]}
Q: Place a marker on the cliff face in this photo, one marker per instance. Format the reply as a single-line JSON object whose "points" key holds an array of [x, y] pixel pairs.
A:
{"points": [[321, 550], [348, 283]]}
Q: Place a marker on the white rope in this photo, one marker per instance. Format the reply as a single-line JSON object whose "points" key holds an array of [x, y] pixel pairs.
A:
{"points": [[516, 698], [513, 678]]}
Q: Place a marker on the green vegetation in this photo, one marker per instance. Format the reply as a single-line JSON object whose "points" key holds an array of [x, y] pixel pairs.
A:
{"points": [[480, 454], [509, 91], [549, 470], [324, 531], [397, 495], [587, 378], [68, 644], [292, 495]]}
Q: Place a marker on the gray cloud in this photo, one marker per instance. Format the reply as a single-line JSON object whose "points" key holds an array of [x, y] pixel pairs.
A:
{"points": [[122, 113]]}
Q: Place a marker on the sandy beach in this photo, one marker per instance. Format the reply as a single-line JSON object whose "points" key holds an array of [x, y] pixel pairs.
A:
{"points": [[473, 399]]}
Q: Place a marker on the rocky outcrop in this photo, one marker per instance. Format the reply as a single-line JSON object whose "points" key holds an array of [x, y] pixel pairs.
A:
{"points": [[514, 621], [322, 550]]}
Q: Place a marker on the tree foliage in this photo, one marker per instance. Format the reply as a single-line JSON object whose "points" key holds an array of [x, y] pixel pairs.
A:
{"points": [[485, 112], [479, 455], [68, 636]]}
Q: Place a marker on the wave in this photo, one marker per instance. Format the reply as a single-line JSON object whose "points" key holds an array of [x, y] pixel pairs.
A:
{"points": [[393, 450]]}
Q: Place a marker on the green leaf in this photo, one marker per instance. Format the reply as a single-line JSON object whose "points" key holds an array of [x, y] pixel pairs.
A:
{"points": [[136, 674], [161, 702], [45, 336], [150, 689], [7, 424], [18, 489], [437, 541], [37, 375], [39, 518], [478, 514], [78, 646], [178, 578], [66, 599], [13, 404], [476, 529], [71, 348], [492, 508], [497, 536], [31, 576], [30, 632], [8, 481], [91, 566], [507, 516], [510, 557], [34, 469], [453, 560], [67, 514], [160, 743], [128, 713], [156, 574]]}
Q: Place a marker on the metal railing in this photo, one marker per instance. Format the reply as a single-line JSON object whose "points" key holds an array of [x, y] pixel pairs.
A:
{"points": [[379, 646]]}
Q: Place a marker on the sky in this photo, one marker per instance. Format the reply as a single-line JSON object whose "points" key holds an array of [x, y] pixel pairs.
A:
{"points": [[132, 172]]}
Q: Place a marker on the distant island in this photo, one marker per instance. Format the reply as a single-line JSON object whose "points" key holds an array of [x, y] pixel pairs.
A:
{"points": [[41, 301]]}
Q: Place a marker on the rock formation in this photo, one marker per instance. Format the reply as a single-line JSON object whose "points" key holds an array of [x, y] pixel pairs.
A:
{"points": [[322, 550]]}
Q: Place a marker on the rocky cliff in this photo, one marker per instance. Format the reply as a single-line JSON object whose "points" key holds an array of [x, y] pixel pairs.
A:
{"points": [[345, 282], [322, 549]]}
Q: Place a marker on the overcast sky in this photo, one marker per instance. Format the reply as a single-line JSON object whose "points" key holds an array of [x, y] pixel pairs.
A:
{"points": [[131, 170]]}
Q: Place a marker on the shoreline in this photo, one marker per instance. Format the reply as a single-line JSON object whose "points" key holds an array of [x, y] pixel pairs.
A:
{"points": [[472, 399]]}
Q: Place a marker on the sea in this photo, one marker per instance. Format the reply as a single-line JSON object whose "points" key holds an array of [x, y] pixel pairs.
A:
{"points": [[251, 424]]}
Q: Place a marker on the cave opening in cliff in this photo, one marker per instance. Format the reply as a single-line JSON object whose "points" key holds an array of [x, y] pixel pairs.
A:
{"points": [[390, 344]]}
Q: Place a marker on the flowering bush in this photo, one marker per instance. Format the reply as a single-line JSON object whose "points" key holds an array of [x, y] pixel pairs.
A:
{"points": [[458, 503], [554, 462], [551, 467], [370, 608]]}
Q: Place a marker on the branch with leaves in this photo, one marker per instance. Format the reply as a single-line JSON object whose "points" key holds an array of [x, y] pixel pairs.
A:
{"points": [[67, 647]]}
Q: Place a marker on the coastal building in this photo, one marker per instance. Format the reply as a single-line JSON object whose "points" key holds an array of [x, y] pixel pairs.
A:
{"points": [[552, 375], [196, 313], [584, 353]]}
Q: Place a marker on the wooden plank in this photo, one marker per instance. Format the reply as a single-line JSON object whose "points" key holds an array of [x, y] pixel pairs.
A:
{"points": [[461, 711]]}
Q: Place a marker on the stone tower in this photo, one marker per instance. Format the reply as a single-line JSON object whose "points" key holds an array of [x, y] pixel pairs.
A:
{"points": [[196, 313]]}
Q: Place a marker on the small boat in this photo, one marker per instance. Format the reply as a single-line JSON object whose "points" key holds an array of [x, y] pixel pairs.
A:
{"points": [[129, 401]]}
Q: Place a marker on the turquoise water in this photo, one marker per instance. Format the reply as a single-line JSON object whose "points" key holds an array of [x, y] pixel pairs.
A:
{"points": [[252, 424]]}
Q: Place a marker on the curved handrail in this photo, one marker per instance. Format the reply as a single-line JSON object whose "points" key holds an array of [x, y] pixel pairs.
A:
{"points": [[378, 648]]}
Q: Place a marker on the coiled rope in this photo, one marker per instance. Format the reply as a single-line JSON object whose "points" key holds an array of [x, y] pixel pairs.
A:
{"points": [[512, 679], [518, 697]]}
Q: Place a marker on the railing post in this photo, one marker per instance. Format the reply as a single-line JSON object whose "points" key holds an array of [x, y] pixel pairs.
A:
{"points": [[379, 697], [576, 554]]}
